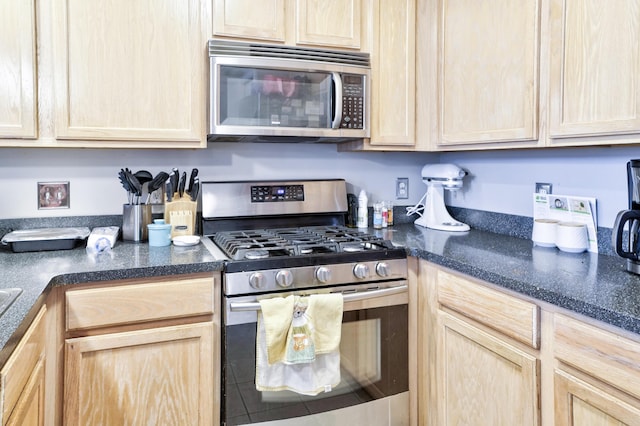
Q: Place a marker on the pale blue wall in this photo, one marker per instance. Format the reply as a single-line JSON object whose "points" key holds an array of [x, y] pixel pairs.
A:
{"points": [[499, 181], [503, 181], [95, 189]]}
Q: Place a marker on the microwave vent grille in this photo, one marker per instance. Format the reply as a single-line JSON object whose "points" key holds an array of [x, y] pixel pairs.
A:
{"points": [[233, 48]]}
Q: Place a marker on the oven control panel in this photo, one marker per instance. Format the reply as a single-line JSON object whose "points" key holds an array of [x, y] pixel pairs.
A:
{"points": [[276, 193], [313, 276]]}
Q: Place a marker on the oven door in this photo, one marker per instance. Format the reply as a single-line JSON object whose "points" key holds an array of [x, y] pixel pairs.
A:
{"points": [[373, 364]]}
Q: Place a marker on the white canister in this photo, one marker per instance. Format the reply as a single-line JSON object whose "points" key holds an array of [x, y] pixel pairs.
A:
{"points": [[572, 237], [544, 232]]}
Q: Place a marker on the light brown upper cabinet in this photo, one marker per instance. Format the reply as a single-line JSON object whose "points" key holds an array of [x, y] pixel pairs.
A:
{"points": [[321, 23], [18, 98], [263, 20], [488, 72], [595, 68], [133, 73], [393, 77], [393, 73]]}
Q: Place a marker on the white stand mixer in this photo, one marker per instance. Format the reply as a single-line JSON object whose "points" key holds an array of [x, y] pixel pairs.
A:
{"points": [[433, 213]]}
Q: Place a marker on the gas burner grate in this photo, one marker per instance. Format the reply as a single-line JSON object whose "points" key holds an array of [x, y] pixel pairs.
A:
{"points": [[303, 241]]}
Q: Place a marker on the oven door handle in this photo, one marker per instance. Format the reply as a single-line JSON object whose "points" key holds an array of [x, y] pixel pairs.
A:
{"points": [[348, 297]]}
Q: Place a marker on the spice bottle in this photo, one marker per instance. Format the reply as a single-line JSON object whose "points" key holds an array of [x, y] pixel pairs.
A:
{"points": [[377, 215]]}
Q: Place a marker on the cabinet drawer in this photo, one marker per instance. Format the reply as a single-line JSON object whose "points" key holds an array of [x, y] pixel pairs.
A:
{"points": [[609, 357], [21, 364], [134, 303], [507, 314]]}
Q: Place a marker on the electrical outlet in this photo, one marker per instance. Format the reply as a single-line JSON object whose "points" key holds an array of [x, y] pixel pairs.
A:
{"points": [[53, 195], [543, 188], [402, 188]]}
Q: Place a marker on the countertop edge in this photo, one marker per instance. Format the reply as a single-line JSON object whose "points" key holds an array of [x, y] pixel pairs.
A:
{"points": [[26, 315], [606, 316]]}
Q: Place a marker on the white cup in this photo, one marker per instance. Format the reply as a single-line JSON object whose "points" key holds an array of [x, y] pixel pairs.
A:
{"points": [[572, 237], [544, 232]]}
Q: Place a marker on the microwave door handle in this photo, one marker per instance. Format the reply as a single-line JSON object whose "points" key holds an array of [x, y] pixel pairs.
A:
{"points": [[337, 84], [350, 297]]}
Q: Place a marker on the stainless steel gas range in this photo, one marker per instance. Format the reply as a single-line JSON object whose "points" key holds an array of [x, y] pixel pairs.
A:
{"points": [[289, 237]]}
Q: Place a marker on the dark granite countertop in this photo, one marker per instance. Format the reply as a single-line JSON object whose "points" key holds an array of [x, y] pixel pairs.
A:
{"points": [[37, 272], [596, 286]]}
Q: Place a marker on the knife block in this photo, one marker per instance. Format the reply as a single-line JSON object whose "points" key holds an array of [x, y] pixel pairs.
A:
{"points": [[181, 214]]}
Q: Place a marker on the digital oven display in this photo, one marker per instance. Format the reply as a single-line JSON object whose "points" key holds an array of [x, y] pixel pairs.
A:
{"points": [[276, 193]]}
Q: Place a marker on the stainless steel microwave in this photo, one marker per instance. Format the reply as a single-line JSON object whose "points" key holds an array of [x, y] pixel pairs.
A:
{"points": [[269, 93]]}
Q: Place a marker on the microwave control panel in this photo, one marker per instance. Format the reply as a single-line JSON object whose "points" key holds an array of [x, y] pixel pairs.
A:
{"points": [[352, 101], [276, 193]]}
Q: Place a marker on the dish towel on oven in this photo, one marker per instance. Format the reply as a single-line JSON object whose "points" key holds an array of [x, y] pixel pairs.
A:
{"points": [[298, 344]]}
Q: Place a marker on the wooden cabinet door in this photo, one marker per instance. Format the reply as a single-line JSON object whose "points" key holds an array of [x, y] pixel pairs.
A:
{"points": [[131, 71], [155, 376], [29, 409], [329, 23], [595, 68], [22, 379], [483, 380], [393, 88], [260, 20], [578, 403], [18, 69], [488, 77]]}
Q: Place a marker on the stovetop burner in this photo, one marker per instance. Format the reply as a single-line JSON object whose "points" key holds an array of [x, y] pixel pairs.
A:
{"points": [[289, 242]]}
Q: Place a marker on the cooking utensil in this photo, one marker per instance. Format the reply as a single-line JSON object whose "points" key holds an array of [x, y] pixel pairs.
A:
{"points": [[175, 176], [195, 190], [156, 183], [182, 184], [136, 187], [143, 176], [125, 184], [192, 178], [169, 189]]}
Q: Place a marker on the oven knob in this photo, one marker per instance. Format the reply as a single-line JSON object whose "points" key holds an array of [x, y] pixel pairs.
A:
{"points": [[256, 280], [383, 269], [284, 278], [323, 274], [361, 270]]}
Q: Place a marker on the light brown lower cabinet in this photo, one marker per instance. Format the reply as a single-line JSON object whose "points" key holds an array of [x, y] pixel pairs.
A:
{"points": [[155, 376], [142, 352], [483, 379], [22, 379], [490, 357], [579, 403]]}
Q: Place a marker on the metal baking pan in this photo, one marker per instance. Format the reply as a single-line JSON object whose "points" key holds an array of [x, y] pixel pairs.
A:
{"points": [[44, 239]]}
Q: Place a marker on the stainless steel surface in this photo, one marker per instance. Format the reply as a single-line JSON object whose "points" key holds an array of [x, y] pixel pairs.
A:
{"points": [[135, 218], [377, 295], [233, 199], [254, 50], [633, 266], [349, 297], [7, 297], [283, 58], [306, 277]]}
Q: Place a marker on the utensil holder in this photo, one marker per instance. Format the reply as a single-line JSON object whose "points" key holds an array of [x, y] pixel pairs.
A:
{"points": [[181, 214], [135, 218]]}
